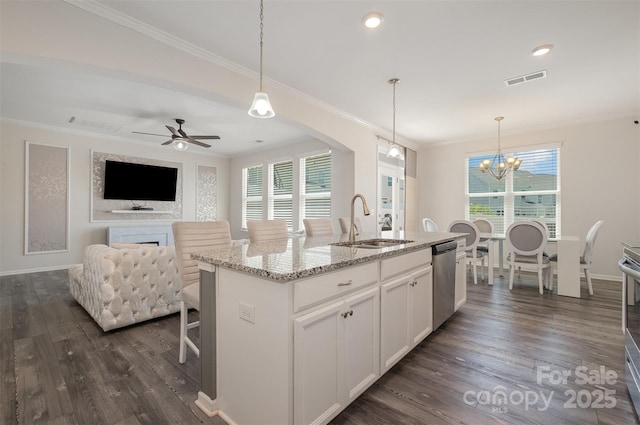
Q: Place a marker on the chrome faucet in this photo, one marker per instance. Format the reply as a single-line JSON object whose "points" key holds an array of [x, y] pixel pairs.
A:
{"points": [[352, 229]]}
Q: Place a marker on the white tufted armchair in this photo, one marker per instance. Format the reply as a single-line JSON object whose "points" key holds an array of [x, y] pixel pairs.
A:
{"points": [[120, 287]]}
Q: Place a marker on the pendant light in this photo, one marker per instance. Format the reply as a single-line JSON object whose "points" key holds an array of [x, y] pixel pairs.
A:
{"points": [[395, 150], [261, 107]]}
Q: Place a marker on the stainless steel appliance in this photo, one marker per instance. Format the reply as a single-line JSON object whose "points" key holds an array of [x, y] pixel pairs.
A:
{"points": [[444, 281], [630, 266]]}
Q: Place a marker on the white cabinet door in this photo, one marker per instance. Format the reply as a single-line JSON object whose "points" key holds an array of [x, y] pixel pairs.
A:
{"points": [[394, 320], [406, 314], [421, 311], [461, 279], [336, 356], [318, 367], [361, 341]]}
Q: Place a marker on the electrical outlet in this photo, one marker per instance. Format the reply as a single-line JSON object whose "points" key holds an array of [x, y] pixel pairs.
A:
{"points": [[248, 312]]}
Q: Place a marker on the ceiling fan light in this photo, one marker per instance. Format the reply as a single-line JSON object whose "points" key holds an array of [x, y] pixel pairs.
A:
{"points": [[261, 107], [180, 145]]}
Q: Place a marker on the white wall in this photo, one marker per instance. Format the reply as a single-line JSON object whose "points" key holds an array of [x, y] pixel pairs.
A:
{"points": [[82, 231], [62, 35], [341, 166], [599, 180]]}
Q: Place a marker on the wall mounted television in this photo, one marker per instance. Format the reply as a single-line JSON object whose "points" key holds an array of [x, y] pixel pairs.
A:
{"points": [[139, 182]]}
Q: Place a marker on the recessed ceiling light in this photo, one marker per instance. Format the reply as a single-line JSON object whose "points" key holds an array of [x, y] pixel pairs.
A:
{"points": [[372, 20], [542, 50]]}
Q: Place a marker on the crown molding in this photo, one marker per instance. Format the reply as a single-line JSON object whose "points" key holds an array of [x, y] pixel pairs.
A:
{"points": [[127, 21]]}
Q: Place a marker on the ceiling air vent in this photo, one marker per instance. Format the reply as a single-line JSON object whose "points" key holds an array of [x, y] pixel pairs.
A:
{"points": [[525, 78]]}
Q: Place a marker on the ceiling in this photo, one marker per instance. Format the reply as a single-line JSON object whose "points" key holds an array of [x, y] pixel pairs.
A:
{"points": [[451, 57]]}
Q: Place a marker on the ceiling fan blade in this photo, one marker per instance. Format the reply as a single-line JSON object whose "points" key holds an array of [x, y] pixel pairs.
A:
{"points": [[206, 137], [168, 142], [195, 142], [150, 134], [173, 131]]}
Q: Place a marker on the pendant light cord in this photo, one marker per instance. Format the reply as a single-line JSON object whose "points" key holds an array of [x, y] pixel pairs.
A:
{"points": [[499, 147], [261, 36], [394, 81], [394, 111]]}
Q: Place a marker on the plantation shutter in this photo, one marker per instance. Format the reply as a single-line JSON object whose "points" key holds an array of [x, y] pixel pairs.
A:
{"points": [[252, 196], [282, 192], [315, 186]]}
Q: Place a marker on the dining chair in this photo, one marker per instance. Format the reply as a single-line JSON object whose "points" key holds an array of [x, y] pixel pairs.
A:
{"points": [[472, 239], [585, 259], [527, 240], [317, 226], [546, 230], [190, 237], [429, 225], [345, 222], [543, 224], [267, 230], [484, 226]]}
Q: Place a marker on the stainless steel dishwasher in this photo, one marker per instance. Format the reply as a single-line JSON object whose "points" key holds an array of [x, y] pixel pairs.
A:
{"points": [[444, 281]]}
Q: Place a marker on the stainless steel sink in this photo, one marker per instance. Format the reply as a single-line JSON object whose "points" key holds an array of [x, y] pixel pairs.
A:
{"points": [[373, 243]]}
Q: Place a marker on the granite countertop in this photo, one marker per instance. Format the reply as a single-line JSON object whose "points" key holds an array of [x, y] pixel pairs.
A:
{"points": [[299, 257]]}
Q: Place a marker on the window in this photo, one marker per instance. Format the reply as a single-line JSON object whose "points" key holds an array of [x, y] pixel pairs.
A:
{"points": [[295, 189], [251, 194], [532, 192], [315, 187], [281, 192]]}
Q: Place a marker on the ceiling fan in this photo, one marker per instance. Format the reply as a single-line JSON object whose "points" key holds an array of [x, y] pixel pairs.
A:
{"points": [[180, 134]]}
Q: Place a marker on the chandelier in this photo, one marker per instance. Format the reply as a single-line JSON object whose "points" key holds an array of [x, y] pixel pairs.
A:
{"points": [[501, 166], [261, 107]]}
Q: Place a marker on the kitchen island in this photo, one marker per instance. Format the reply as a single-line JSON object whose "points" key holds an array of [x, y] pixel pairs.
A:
{"points": [[292, 331]]}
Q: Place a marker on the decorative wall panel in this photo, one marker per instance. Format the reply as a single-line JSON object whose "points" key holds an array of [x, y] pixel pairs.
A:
{"points": [[46, 199], [120, 210], [206, 193]]}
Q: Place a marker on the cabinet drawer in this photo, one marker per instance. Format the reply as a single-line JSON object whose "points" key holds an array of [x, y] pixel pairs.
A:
{"points": [[462, 244], [392, 266], [326, 286]]}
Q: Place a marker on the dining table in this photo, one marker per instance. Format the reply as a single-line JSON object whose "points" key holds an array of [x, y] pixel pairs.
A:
{"points": [[568, 267], [492, 238]]}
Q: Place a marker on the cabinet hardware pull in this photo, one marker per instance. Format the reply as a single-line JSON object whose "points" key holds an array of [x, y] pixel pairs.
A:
{"points": [[347, 283], [344, 315], [351, 313]]}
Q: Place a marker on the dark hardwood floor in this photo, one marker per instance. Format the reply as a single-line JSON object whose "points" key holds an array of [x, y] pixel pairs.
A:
{"points": [[58, 367]]}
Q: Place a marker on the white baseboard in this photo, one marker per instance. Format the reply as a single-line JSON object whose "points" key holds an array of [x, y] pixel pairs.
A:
{"points": [[35, 270]]}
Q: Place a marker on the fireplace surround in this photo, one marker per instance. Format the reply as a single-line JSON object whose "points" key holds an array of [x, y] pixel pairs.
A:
{"points": [[160, 234]]}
